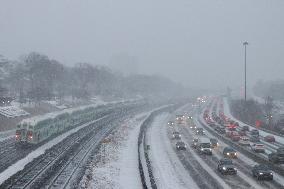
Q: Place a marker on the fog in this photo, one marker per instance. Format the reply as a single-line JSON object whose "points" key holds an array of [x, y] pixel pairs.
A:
{"points": [[197, 43]]}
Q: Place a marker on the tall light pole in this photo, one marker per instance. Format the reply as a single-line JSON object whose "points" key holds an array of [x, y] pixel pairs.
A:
{"points": [[245, 44]]}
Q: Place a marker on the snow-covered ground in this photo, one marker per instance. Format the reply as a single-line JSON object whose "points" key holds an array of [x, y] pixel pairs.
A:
{"points": [[116, 165], [168, 170], [7, 134], [12, 111], [36, 153]]}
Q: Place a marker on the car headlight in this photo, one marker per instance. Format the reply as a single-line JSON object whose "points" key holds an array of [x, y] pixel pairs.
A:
{"points": [[202, 149], [228, 153], [177, 146], [224, 168], [271, 173], [261, 173], [217, 144], [235, 153], [210, 149]]}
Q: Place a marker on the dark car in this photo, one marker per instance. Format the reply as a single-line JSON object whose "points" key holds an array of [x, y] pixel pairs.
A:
{"points": [[212, 124], [254, 139], [277, 157], [269, 138], [262, 172], [221, 130], [229, 152], [170, 123], [254, 132], [245, 128], [217, 128], [241, 133], [192, 126], [214, 142], [226, 166], [176, 135], [194, 142], [199, 131], [180, 145]]}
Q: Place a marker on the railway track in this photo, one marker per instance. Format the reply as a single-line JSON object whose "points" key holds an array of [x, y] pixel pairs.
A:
{"points": [[56, 168], [11, 152]]}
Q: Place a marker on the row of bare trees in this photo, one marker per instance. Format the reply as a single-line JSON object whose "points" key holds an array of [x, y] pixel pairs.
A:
{"points": [[36, 77]]}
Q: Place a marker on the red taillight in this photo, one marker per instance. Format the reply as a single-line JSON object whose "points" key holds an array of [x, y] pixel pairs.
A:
{"points": [[30, 134]]}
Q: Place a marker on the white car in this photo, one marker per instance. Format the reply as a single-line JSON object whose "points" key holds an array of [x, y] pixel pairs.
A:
{"points": [[257, 147], [244, 141]]}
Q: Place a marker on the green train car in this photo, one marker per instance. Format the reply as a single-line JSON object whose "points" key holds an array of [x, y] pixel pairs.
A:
{"points": [[39, 128]]}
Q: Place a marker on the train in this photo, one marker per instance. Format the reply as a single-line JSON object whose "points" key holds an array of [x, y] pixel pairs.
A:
{"points": [[36, 129]]}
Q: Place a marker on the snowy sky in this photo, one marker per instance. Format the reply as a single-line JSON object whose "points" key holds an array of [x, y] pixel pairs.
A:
{"points": [[198, 43]]}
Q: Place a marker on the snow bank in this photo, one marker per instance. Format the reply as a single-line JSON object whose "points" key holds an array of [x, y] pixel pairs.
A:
{"points": [[12, 111], [116, 164], [168, 170]]}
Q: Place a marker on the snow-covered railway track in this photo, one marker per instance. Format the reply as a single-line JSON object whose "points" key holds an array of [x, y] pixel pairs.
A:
{"points": [[41, 169], [65, 175]]}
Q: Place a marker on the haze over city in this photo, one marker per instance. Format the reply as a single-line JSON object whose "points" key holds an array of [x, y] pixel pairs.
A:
{"points": [[197, 43]]}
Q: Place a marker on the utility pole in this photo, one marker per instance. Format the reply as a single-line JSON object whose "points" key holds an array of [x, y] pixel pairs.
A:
{"points": [[245, 44]]}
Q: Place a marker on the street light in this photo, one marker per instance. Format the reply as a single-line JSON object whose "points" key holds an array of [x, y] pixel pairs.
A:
{"points": [[245, 44]]}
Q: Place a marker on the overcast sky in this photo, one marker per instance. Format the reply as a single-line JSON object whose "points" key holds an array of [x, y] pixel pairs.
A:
{"points": [[198, 43]]}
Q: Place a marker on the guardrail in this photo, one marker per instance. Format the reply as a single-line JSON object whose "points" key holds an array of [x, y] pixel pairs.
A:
{"points": [[248, 153], [141, 140]]}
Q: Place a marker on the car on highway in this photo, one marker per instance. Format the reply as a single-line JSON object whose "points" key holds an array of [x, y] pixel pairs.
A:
{"points": [[199, 131], [192, 126], [269, 138], [254, 139], [211, 124], [277, 157], [176, 135], [262, 172], [235, 137], [221, 130], [194, 142], [245, 128], [244, 141], [257, 147], [241, 132], [226, 166], [214, 142], [171, 123], [204, 146], [254, 132], [180, 145], [229, 152], [180, 119]]}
